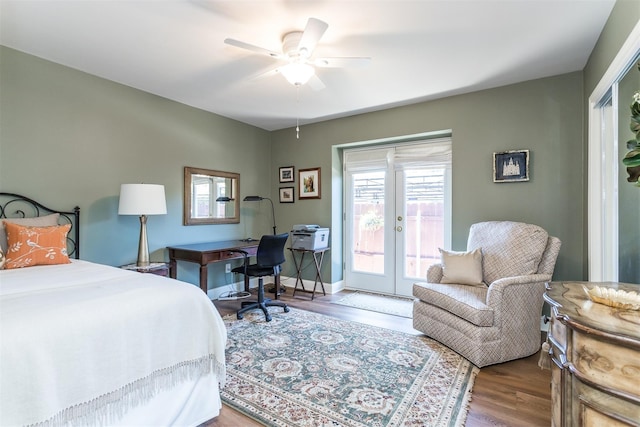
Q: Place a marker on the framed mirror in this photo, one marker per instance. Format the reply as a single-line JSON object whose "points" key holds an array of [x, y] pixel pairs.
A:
{"points": [[211, 197]]}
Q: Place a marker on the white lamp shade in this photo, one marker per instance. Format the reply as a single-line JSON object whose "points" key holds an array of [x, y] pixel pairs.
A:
{"points": [[142, 199], [297, 74]]}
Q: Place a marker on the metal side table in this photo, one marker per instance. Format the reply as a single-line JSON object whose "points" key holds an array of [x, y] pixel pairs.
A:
{"points": [[318, 256]]}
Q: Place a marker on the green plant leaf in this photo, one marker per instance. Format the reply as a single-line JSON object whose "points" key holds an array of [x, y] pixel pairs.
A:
{"points": [[635, 124], [635, 109], [633, 143], [632, 158]]}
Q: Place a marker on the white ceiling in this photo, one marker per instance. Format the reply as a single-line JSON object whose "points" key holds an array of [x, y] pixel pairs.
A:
{"points": [[420, 50]]}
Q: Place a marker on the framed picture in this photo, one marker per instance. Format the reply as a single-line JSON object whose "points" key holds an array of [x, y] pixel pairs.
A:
{"points": [[286, 174], [286, 194], [309, 183], [511, 166]]}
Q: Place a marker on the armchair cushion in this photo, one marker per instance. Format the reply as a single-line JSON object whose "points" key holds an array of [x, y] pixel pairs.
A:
{"points": [[462, 268], [509, 248], [467, 302]]}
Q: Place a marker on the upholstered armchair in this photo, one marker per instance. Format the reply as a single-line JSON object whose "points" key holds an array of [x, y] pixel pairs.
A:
{"points": [[486, 303]]}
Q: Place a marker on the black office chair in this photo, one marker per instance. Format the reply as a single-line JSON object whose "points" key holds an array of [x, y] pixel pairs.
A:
{"points": [[269, 260]]}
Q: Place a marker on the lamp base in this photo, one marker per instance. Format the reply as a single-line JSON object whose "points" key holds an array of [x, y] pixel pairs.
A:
{"points": [[143, 245]]}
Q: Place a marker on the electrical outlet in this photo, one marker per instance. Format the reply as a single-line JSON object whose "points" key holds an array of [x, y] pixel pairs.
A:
{"points": [[227, 268]]}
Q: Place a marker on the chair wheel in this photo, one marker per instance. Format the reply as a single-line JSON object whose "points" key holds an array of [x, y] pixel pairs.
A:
{"points": [[286, 309], [268, 318], [239, 316]]}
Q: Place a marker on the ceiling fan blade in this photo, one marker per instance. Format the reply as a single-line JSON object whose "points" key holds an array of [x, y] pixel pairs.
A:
{"points": [[352, 62], [252, 48], [315, 83], [312, 33], [265, 74]]}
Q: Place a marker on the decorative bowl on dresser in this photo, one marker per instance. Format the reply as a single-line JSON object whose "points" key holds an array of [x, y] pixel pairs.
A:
{"points": [[595, 354]]}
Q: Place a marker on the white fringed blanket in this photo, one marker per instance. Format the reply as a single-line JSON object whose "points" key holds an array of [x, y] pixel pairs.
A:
{"points": [[83, 343]]}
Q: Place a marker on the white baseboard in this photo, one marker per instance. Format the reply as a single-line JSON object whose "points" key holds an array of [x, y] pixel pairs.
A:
{"points": [[330, 288], [286, 281]]}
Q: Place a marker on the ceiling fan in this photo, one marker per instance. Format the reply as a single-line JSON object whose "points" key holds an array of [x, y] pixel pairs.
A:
{"points": [[297, 51]]}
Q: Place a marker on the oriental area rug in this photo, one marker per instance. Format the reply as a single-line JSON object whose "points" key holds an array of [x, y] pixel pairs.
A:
{"points": [[307, 369], [398, 306]]}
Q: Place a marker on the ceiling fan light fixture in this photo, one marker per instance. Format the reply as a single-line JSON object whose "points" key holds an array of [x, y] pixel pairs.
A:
{"points": [[297, 74]]}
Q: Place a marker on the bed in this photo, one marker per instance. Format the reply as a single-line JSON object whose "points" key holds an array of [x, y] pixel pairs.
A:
{"points": [[88, 344]]}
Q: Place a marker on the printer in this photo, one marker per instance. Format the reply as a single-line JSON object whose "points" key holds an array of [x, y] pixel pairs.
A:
{"points": [[309, 237]]}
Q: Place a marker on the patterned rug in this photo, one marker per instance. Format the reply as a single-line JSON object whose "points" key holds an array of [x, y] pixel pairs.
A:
{"points": [[398, 306], [307, 369]]}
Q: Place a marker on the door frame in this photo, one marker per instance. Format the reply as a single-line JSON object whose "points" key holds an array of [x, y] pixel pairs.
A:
{"points": [[388, 143], [602, 195]]}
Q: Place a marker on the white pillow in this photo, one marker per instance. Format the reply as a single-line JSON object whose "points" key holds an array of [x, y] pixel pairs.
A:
{"points": [[462, 268]]}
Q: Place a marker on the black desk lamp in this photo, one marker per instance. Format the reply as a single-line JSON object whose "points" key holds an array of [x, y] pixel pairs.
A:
{"points": [[258, 199]]}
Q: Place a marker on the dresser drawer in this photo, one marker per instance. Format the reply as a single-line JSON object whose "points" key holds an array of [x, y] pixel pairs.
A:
{"points": [[595, 408], [610, 365]]}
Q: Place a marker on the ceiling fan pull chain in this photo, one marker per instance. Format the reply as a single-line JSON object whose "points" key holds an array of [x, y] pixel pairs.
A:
{"points": [[297, 116]]}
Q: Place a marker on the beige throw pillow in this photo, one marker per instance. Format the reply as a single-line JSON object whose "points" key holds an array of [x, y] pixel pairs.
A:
{"points": [[462, 268]]}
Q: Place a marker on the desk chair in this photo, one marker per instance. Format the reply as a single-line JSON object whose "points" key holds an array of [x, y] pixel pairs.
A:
{"points": [[269, 259]]}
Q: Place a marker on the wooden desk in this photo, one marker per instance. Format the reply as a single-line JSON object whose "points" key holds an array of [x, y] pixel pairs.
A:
{"points": [[206, 253]]}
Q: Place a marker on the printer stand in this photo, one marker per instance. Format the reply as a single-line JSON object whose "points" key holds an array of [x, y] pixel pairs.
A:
{"points": [[318, 256]]}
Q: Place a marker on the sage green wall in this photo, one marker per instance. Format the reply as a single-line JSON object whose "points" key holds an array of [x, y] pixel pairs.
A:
{"points": [[543, 116], [623, 18], [69, 138]]}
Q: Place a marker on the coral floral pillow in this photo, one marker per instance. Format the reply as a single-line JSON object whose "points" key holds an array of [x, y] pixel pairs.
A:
{"points": [[28, 246]]}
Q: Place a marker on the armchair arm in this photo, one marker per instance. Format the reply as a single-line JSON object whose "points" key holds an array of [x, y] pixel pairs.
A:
{"points": [[434, 273], [517, 290], [529, 278]]}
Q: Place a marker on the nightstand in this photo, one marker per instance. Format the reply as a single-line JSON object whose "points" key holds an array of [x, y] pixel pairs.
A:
{"points": [[159, 268]]}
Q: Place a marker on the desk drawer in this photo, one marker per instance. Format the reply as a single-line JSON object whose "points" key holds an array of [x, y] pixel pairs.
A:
{"points": [[235, 255]]}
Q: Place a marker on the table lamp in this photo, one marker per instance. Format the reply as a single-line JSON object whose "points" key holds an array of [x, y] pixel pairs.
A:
{"points": [[142, 200]]}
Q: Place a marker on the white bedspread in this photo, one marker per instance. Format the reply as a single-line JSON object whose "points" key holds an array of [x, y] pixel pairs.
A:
{"points": [[84, 343]]}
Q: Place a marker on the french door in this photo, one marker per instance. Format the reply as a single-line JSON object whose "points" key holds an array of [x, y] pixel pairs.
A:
{"points": [[397, 214]]}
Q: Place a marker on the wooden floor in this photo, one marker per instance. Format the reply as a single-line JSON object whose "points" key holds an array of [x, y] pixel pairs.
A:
{"points": [[510, 394]]}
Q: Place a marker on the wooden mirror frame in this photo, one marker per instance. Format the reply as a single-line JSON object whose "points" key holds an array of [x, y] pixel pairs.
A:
{"points": [[231, 207]]}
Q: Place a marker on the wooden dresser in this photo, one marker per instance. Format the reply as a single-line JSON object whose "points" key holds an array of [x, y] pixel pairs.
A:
{"points": [[595, 354]]}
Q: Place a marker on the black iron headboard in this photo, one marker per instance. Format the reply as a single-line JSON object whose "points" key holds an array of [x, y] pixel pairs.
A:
{"points": [[17, 206]]}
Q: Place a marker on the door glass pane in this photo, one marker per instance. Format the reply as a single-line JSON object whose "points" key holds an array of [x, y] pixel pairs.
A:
{"points": [[368, 222], [628, 193], [424, 225]]}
